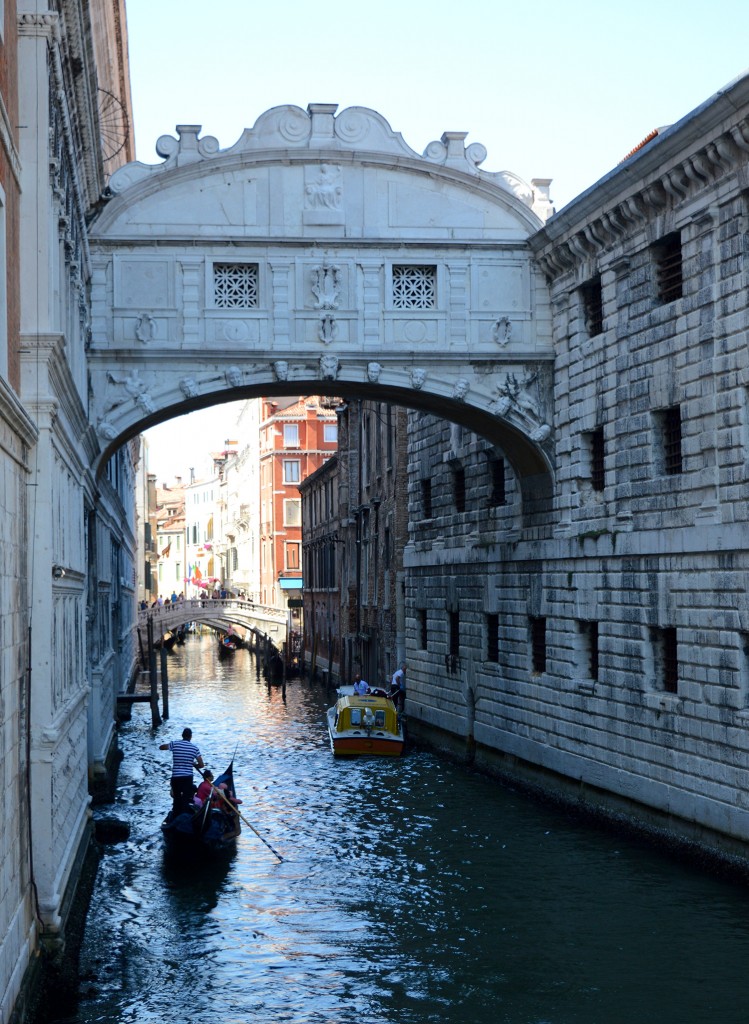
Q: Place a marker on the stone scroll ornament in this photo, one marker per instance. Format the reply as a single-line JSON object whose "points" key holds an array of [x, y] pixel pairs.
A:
{"points": [[502, 331], [145, 328], [326, 286], [329, 367], [106, 429], [328, 329]]}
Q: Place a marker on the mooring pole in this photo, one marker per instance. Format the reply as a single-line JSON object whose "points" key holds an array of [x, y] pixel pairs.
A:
{"points": [[155, 716], [164, 684]]}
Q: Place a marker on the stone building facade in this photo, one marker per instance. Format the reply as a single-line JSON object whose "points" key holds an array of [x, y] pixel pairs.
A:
{"points": [[600, 645], [67, 580], [354, 513]]}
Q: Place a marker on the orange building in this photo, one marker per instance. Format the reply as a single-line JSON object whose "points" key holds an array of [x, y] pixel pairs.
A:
{"points": [[297, 435]]}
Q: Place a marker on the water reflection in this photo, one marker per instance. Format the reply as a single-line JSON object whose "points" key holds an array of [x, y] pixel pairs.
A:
{"points": [[410, 891]]}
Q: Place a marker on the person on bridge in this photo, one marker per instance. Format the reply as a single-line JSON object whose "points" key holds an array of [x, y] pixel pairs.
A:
{"points": [[185, 757]]}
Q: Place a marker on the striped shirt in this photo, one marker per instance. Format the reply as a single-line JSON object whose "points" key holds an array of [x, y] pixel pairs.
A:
{"points": [[184, 754]]}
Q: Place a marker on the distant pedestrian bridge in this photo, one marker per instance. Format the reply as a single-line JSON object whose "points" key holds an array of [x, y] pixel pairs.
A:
{"points": [[322, 255], [220, 613]]}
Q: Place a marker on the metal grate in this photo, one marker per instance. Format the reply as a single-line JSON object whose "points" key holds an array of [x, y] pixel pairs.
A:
{"points": [[422, 615], [459, 488], [498, 482], [414, 287], [235, 285], [590, 632], [426, 498]]}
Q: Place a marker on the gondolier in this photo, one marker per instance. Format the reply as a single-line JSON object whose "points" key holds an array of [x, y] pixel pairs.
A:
{"points": [[185, 757]]}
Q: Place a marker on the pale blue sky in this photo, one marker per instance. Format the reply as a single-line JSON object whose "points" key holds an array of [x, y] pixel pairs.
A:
{"points": [[559, 90]]}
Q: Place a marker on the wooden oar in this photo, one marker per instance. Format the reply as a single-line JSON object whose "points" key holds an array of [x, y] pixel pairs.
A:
{"points": [[235, 810]]}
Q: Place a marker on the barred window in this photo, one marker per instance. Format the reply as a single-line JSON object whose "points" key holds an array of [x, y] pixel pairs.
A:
{"points": [[597, 453], [492, 637], [414, 287], [668, 267], [669, 427], [592, 297], [235, 285], [538, 644], [426, 498], [666, 658]]}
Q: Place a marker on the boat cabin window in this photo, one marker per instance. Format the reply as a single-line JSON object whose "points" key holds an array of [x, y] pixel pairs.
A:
{"points": [[380, 719], [356, 716]]}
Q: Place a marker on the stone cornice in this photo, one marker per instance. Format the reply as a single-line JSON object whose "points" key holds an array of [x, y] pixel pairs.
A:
{"points": [[708, 144]]}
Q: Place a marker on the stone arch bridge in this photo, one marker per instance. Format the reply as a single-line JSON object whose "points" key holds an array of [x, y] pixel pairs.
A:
{"points": [[220, 613], [322, 255]]}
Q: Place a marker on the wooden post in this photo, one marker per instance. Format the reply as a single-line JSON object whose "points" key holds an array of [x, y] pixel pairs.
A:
{"points": [[164, 684], [155, 716]]}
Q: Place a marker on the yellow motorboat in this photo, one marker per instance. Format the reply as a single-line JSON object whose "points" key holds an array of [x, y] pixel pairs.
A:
{"points": [[364, 725]]}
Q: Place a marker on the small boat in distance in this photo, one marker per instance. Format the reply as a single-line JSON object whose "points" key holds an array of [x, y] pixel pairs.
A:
{"points": [[365, 725]]}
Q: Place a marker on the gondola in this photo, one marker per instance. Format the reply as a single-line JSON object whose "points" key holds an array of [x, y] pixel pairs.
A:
{"points": [[210, 829], [227, 644]]}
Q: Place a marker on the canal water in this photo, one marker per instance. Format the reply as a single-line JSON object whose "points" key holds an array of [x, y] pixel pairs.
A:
{"points": [[410, 890]]}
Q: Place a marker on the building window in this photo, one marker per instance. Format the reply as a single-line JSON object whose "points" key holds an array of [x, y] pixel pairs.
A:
{"points": [[235, 285], [668, 422], [589, 649], [330, 433], [453, 656], [291, 435], [426, 498], [538, 644], [596, 454], [292, 470], [591, 294], [665, 658], [292, 512], [668, 268], [292, 556], [492, 638], [497, 482], [414, 287], [421, 616], [459, 487]]}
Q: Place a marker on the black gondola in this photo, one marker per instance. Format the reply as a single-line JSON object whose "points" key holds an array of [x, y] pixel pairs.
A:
{"points": [[212, 828]]}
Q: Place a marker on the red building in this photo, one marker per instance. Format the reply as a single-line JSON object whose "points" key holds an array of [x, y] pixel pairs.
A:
{"points": [[297, 435]]}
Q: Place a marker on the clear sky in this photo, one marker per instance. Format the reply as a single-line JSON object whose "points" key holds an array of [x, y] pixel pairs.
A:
{"points": [[553, 89]]}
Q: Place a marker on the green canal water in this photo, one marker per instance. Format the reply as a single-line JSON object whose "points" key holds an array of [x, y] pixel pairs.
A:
{"points": [[410, 891]]}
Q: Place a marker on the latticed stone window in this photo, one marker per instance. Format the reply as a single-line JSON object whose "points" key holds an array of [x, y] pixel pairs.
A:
{"points": [[235, 285], [414, 287]]}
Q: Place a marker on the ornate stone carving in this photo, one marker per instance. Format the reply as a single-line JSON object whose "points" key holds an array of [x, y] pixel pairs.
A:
{"points": [[418, 376], [189, 387], [106, 430], [135, 388], [326, 191], [326, 286], [281, 369], [461, 388], [373, 372], [502, 331], [328, 367], [233, 377], [145, 328], [328, 329]]}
